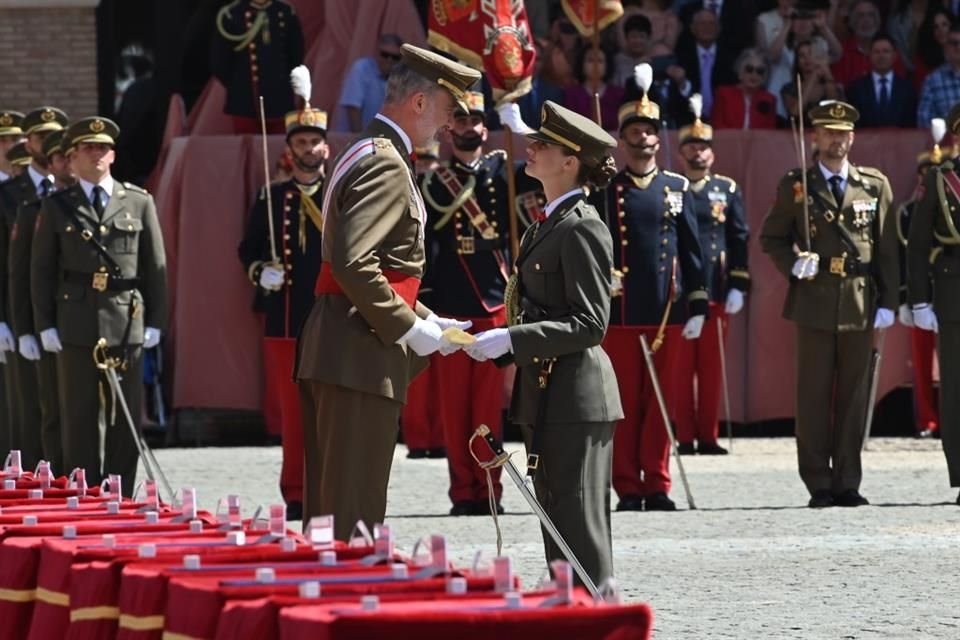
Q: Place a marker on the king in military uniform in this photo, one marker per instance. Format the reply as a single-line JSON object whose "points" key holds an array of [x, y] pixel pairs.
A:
{"points": [[256, 45], [284, 288], [98, 271], [933, 287], [468, 266], [723, 233], [842, 286], [657, 263]]}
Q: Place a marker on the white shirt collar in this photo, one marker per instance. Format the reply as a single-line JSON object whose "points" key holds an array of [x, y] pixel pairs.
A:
{"points": [[36, 177], [106, 184], [4, 175], [827, 174], [555, 203], [403, 134]]}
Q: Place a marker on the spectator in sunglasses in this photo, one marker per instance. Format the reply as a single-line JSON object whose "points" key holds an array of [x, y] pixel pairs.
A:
{"points": [[747, 104], [366, 84]]}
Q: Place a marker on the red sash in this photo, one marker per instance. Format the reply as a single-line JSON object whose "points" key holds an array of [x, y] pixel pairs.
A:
{"points": [[407, 287]]}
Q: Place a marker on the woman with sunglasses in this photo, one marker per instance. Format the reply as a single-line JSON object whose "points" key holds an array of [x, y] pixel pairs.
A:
{"points": [[746, 105], [565, 395]]}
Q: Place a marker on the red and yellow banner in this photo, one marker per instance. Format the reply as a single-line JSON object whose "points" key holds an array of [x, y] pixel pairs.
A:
{"points": [[582, 13], [490, 35]]}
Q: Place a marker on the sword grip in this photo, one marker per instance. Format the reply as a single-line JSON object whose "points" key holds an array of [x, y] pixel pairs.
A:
{"points": [[484, 432]]}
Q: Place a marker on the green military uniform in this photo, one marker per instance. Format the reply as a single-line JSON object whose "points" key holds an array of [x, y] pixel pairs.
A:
{"points": [[933, 275], [86, 296], [354, 374], [834, 312], [564, 271], [22, 381]]}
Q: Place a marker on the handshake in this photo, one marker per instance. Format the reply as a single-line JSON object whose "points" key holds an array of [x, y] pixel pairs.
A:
{"points": [[448, 335]]}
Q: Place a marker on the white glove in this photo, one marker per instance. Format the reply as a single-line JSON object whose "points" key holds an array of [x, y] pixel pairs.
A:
{"points": [[50, 339], [423, 337], [924, 317], [151, 337], [510, 117], [490, 345], [883, 319], [906, 315], [691, 330], [734, 302], [806, 266], [616, 283], [446, 323], [29, 348], [3, 357], [7, 342], [272, 278]]}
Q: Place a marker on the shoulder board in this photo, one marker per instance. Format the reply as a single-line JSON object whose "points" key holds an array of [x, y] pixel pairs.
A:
{"points": [[496, 153], [683, 179], [872, 172], [135, 188], [793, 173], [381, 143], [731, 183]]}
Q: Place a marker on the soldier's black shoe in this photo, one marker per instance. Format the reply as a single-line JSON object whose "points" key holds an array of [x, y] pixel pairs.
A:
{"points": [[630, 503], [294, 510], [850, 498], [711, 449], [659, 502], [482, 508], [686, 449], [416, 454], [440, 452], [463, 508], [820, 499]]}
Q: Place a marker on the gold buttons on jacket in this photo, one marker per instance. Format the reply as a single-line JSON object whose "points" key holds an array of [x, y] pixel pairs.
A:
{"points": [[69, 228], [536, 359], [287, 252], [103, 229], [286, 236], [620, 201], [536, 267], [289, 267], [664, 241], [624, 243]]}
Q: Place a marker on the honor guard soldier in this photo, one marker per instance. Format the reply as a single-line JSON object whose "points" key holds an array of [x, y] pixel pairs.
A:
{"points": [[468, 266], [284, 291], [923, 342], [841, 287], [256, 45], [33, 184], [658, 290], [565, 392], [10, 134], [933, 289], [19, 159], [46, 438], [98, 271], [723, 233], [366, 334]]}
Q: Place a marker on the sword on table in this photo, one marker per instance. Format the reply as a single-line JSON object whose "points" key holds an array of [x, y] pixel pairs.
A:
{"points": [[874, 376], [502, 459]]}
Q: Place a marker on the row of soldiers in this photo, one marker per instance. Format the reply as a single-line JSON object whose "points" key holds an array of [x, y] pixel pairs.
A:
{"points": [[82, 264]]}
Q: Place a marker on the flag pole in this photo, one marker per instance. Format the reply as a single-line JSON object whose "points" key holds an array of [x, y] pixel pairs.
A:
{"points": [[595, 45]]}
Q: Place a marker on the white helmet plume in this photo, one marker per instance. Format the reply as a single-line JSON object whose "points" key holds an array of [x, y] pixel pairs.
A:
{"points": [[696, 105], [643, 75], [302, 86]]}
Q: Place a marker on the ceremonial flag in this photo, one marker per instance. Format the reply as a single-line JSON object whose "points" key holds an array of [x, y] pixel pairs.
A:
{"points": [[581, 13]]}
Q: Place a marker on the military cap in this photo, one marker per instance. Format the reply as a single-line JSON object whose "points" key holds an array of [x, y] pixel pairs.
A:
{"points": [[43, 119], [10, 123], [432, 151], [452, 76], [583, 136], [51, 144], [92, 129], [698, 131], [18, 155], [834, 114], [474, 101], [307, 119]]}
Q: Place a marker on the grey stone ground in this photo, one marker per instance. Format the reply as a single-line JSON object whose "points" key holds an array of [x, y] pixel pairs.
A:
{"points": [[751, 562]]}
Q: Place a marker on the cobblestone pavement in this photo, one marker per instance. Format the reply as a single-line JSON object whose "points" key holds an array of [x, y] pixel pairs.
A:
{"points": [[751, 562]]}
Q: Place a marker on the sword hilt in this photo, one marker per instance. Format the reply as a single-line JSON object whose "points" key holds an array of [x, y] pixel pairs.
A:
{"points": [[484, 432]]}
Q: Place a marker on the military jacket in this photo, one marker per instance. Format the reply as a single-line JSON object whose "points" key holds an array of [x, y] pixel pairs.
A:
{"points": [[933, 247], [262, 65], [468, 258], [63, 265], [904, 215], [564, 270], [723, 234], [21, 239], [656, 249], [13, 193], [297, 237], [856, 241]]}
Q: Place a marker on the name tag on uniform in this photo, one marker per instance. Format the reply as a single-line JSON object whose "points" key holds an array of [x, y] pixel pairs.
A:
{"points": [[674, 202]]}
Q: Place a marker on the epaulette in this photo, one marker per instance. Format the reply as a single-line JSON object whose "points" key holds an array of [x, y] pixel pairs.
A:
{"points": [[381, 143], [873, 172], [136, 188], [732, 183], [682, 178], [495, 153]]}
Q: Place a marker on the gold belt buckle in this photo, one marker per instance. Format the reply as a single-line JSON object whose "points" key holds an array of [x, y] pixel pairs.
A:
{"points": [[100, 281], [836, 266]]}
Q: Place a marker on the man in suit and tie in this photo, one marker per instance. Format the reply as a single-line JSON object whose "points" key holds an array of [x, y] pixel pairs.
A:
{"points": [[707, 61], [883, 98], [736, 22]]}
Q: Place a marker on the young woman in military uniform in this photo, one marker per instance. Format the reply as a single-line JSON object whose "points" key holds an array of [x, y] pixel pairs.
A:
{"points": [[565, 395]]}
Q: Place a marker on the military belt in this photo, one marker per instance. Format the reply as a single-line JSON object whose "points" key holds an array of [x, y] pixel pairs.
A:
{"points": [[845, 266], [101, 281]]}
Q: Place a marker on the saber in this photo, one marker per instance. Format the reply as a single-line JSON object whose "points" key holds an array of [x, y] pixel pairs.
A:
{"points": [[501, 459], [874, 383], [648, 357], [266, 184], [150, 465], [803, 169], [723, 378]]}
